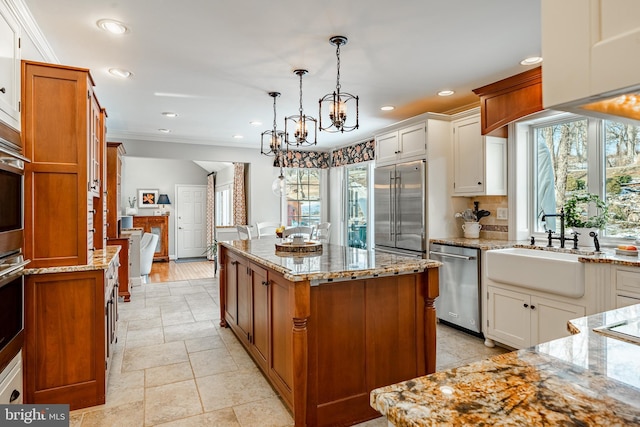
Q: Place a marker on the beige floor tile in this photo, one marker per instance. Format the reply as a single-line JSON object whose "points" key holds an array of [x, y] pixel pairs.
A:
{"points": [[144, 337], [265, 413], [168, 301], [189, 331], [125, 388], [221, 418], [75, 418], [183, 290], [127, 415], [204, 343], [154, 355], [142, 313], [232, 388], [176, 317], [162, 375], [135, 325], [209, 362], [171, 402], [205, 314]]}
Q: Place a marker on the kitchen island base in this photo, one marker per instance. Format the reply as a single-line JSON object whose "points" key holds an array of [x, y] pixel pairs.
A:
{"points": [[325, 344]]}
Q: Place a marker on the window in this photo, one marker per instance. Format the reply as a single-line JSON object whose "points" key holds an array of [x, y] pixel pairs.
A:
{"points": [[357, 195], [303, 196], [580, 154], [224, 205]]}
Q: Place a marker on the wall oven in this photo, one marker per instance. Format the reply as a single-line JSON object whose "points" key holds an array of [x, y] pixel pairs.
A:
{"points": [[11, 258]]}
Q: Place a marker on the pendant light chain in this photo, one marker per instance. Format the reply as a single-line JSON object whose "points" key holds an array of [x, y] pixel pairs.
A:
{"points": [[338, 73]]}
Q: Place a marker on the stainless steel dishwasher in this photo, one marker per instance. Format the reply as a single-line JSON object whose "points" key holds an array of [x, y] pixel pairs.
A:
{"points": [[459, 301]]}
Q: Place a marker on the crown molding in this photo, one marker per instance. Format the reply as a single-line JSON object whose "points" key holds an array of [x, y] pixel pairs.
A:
{"points": [[31, 27]]}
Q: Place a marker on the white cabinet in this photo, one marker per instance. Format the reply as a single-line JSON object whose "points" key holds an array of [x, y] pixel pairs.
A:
{"points": [[520, 319], [9, 67], [11, 382], [479, 162], [627, 286], [589, 48], [405, 144]]}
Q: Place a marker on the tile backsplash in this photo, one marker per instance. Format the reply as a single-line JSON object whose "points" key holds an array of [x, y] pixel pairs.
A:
{"points": [[492, 227]]}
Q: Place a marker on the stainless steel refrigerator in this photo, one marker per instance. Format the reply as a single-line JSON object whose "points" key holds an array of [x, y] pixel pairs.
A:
{"points": [[400, 204]]}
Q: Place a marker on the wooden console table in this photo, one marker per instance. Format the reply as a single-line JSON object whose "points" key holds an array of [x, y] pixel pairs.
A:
{"points": [[157, 224]]}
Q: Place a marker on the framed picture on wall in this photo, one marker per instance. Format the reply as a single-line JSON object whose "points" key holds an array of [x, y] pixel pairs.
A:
{"points": [[148, 198]]}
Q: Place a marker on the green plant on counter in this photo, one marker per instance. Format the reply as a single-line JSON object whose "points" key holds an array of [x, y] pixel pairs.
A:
{"points": [[576, 210]]}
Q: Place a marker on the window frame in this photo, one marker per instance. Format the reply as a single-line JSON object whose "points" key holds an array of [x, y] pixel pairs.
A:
{"points": [[219, 190], [322, 190]]}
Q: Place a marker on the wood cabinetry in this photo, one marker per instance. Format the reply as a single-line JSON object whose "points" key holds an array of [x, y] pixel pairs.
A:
{"points": [[405, 144], [115, 151], [293, 330], [70, 325], [124, 283], [509, 99], [590, 53], [480, 162], [521, 319], [9, 68], [158, 224], [61, 208]]}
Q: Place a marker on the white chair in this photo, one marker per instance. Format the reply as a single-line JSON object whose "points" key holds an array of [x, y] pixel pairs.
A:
{"points": [[322, 233], [299, 230], [148, 245], [244, 232], [266, 228]]}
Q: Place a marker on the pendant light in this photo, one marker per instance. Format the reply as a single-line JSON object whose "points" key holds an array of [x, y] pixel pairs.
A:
{"points": [[301, 123], [336, 102], [271, 140]]}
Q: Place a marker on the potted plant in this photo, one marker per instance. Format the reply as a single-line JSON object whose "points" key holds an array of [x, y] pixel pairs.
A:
{"points": [[211, 251], [576, 213]]}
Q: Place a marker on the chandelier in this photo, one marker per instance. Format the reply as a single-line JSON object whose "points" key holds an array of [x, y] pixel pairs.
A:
{"points": [[336, 102], [271, 140], [301, 123]]}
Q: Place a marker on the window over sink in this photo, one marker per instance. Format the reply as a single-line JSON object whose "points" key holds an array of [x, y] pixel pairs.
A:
{"points": [[571, 154]]}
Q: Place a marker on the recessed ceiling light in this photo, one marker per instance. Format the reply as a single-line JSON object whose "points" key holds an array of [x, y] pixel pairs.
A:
{"points": [[238, 136], [164, 130], [387, 108], [255, 123], [532, 60], [120, 72], [446, 93], [112, 26], [169, 114]]}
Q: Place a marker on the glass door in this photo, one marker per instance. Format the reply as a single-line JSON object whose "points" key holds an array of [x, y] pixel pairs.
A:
{"points": [[356, 203]]}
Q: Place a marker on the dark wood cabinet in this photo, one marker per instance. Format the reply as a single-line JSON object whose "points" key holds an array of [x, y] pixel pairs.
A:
{"points": [[115, 151], [124, 283], [325, 347], [158, 224], [63, 201], [70, 330], [509, 99]]}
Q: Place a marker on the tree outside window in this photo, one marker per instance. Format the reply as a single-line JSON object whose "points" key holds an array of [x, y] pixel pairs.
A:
{"points": [[303, 196]]}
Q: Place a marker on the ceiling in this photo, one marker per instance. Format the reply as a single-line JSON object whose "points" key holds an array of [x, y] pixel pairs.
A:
{"points": [[214, 62]]}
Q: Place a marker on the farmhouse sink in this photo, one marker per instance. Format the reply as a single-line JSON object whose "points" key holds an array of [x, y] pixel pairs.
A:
{"points": [[553, 272]]}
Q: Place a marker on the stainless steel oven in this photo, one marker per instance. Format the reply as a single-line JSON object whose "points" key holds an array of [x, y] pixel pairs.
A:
{"points": [[11, 202], [12, 262]]}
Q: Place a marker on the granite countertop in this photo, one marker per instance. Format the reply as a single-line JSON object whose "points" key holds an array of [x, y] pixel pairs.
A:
{"points": [[607, 255], [584, 379], [101, 260], [335, 262]]}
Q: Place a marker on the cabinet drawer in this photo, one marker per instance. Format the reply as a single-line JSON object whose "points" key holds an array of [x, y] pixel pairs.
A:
{"points": [[628, 281], [12, 382], [624, 301]]}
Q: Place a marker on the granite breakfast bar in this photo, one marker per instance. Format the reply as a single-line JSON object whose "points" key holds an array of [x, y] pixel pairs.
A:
{"points": [[587, 379], [326, 329]]}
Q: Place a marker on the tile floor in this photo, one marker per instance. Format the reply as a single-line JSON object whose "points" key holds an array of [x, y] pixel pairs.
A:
{"points": [[174, 366]]}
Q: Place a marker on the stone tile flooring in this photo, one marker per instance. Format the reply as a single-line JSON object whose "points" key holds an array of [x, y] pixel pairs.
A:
{"points": [[174, 366]]}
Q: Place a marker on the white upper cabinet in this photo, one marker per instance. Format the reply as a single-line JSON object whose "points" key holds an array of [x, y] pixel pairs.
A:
{"points": [[9, 67], [479, 162], [590, 47], [404, 144]]}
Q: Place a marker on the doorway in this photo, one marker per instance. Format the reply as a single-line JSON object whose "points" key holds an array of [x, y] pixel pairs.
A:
{"points": [[191, 221]]}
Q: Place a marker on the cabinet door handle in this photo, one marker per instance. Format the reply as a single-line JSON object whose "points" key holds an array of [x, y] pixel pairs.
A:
{"points": [[479, 183], [3, 90], [234, 262], [15, 394], [265, 283], [526, 305], [533, 307]]}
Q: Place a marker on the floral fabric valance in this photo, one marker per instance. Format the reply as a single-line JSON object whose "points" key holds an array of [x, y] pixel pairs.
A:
{"points": [[356, 153]]}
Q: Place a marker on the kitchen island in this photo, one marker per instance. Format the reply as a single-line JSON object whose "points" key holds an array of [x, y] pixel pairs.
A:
{"points": [[327, 328], [585, 379]]}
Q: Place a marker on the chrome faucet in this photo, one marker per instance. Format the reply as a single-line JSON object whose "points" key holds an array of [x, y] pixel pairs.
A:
{"points": [[562, 238]]}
